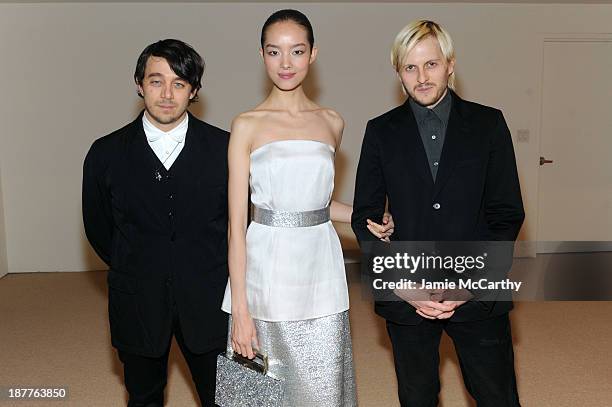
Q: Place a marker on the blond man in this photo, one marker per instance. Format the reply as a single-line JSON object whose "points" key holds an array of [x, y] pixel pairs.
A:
{"points": [[447, 169]]}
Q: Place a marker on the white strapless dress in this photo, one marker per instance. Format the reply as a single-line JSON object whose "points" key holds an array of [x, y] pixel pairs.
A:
{"points": [[293, 273], [295, 278]]}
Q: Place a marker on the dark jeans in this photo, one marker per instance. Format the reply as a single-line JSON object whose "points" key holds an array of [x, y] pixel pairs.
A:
{"points": [[145, 378], [484, 350]]}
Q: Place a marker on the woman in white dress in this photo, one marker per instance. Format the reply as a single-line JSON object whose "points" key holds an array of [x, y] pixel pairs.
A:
{"points": [[287, 293]]}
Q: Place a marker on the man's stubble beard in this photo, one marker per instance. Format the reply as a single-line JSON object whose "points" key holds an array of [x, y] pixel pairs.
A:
{"points": [[440, 91], [164, 120]]}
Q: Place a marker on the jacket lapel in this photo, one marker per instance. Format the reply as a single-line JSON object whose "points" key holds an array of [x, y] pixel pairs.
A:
{"points": [[142, 157], [184, 157], [187, 162], [407, 133], [456, 132]]}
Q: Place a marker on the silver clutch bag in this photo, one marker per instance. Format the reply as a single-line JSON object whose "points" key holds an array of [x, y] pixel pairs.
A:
{"points": [[242, 382]]}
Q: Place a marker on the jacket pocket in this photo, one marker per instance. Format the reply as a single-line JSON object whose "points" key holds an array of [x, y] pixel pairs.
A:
{"points": [[126, 325]]}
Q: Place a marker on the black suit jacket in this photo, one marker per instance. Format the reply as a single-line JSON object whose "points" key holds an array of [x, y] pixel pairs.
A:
{"points": [[163, 237], [476, 195]]}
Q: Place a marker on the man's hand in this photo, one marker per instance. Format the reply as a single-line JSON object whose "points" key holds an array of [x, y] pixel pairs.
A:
{"points": [[382, 231], [454, 298], [455, 295], [421, 300], [435, 304]]}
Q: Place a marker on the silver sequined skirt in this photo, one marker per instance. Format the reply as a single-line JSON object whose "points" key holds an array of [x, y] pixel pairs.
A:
{"points": [[313, 358]]}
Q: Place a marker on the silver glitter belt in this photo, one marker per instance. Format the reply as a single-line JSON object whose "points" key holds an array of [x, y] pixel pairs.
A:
{"points": [[284, 219]]}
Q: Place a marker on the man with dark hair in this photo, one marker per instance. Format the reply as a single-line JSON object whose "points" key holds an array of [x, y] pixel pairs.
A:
{"points": [[155, 210]]}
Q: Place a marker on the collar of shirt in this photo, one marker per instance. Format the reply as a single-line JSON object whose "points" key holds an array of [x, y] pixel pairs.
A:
{"points": [[441, 110], [153, 133]]}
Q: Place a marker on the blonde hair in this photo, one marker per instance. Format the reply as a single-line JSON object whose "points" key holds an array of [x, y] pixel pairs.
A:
{"points": [[415, 32]]}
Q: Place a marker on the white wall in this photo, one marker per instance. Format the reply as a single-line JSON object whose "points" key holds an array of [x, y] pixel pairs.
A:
{"points": [[67, 71]]}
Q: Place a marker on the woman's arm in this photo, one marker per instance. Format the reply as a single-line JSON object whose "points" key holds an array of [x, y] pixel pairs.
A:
{"points": [[340, 212], [243, 329]]}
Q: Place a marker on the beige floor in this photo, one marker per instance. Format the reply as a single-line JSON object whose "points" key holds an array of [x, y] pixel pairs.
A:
{"points": [[54, 333]]}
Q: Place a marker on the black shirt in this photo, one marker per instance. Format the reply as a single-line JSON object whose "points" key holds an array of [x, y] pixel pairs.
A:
{"points": [[432, 125]]}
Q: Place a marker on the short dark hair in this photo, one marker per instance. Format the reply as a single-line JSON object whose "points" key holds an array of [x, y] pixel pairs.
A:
{"points": [[288, 15], [186, 63]]}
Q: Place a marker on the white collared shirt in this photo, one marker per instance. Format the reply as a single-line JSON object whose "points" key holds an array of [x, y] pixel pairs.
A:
{"points": [[166, 145]]}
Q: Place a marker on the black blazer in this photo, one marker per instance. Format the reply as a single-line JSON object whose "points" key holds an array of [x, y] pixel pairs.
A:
{"points": [[476, 195], [163, 236]]}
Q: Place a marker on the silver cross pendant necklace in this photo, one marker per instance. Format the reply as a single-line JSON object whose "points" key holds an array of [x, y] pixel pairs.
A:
{"points": [[158, 175]]}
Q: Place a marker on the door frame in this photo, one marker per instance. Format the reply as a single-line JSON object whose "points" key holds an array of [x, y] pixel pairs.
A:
{"points": [[3, 249], [543, 247]]}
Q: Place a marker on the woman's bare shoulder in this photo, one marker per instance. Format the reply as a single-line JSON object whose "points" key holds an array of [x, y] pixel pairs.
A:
{"points": [[249, 121], [332, 117], [334, 121]]}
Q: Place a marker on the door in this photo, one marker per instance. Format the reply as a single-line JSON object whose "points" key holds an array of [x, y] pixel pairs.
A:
{"points": [[575, 172]]}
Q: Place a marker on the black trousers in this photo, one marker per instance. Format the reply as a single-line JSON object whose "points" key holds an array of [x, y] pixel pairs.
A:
{"points": [[145, 378], [484, 350]]}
